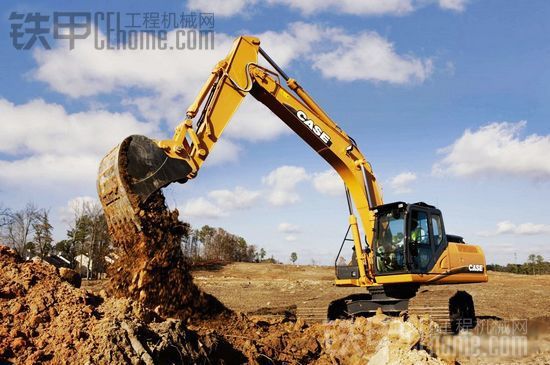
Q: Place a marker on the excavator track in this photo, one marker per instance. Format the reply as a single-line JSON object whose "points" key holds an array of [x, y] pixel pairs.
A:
{"points": [[452, 310], [434, 304]]}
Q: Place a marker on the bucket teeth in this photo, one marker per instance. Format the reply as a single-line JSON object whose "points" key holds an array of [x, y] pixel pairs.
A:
{"points": [[129, 174]]}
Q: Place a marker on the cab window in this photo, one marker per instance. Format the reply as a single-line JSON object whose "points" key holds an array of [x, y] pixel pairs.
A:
{"points": [[437, 229], [389, 242], [420, 240]]}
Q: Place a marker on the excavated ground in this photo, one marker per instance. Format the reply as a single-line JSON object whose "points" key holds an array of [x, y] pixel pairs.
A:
{"points": [[46, 320], [151, 312]]}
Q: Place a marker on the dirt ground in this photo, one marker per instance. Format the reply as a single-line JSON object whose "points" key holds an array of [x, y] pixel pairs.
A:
{"points": [[505, 306], [251, 287], [513, 311], [154, 309], [46, 320]]}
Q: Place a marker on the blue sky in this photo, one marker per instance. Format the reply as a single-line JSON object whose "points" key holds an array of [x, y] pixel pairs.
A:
{"points": [[447, 99]]}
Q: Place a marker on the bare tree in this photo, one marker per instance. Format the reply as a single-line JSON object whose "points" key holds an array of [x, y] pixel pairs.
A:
{"points": [[5, 215], [88, 234], [42, 233], [19, 227]]}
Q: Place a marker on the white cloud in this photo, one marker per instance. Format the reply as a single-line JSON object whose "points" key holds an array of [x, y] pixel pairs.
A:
{"points": [[74, 206], [225, 151], [328, 182], [290, 238], [296, 42], [86, 71], [255, 122], [239, 198], [282, 182], [454, 5], [345, 56], [222, 8], [354, 7], [173, 77], [40, 127], [169, 74], [524, 229], [47, 170], [497, 149], [368, 56], [401, 182], [200, 207], [226, 8], [219, 203], [288, 228], [47, 145]]}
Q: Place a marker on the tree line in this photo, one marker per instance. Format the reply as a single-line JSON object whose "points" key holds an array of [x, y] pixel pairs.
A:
{"points": [[30, 233], [216, 244], [28, 230], [535, 265], [87, 246]]}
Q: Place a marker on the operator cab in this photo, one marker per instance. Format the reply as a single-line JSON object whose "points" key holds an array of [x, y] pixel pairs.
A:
{"points": [[408, 238]]}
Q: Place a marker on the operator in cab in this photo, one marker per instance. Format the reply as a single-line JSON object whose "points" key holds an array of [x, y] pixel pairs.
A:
{"points": [[390, 243]]}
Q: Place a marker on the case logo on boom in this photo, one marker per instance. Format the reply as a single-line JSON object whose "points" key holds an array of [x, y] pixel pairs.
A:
{"points": [[475, 268], [314, 127]]}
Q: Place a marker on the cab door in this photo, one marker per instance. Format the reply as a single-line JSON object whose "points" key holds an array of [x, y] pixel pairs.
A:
{"points": [[426, 238], [438, 236], [420, 249]]}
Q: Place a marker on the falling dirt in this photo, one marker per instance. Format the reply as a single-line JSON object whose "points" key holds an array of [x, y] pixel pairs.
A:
{"points": [[152, 270]]}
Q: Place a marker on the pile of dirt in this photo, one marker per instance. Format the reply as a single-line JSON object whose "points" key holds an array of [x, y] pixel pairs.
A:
{"points": [[44, 319], [379, 340], [153, 313], [151, 267], [35, 308], [376, 340]]}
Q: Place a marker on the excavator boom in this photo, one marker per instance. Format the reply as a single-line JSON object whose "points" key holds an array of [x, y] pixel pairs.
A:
{"points": [[139, 166], [404, 245]]}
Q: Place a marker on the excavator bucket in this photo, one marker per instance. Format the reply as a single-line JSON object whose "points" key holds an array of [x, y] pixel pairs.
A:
{"points": [[130, 173]]}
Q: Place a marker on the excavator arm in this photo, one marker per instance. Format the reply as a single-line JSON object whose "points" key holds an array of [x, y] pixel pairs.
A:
{"points": [[392, 270], [139, 167]]}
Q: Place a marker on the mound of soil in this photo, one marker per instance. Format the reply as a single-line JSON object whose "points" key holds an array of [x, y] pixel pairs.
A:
{"points": [[44, 319], [153, 313]]}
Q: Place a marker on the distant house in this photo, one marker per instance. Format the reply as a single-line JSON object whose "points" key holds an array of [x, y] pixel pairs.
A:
{"points": [[55, 260], [58, 261], [82, 266], [82, 262]]}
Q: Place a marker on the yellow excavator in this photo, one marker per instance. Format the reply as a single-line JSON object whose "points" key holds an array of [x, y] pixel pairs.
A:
{"points": [[404, 246]]}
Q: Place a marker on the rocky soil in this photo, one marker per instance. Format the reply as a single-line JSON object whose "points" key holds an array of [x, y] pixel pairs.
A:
{"points": [[152, 313]]}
